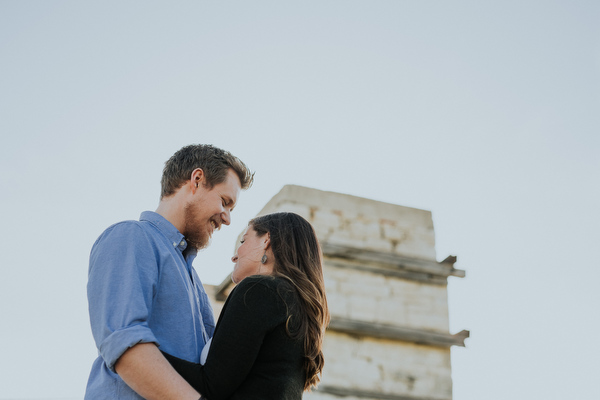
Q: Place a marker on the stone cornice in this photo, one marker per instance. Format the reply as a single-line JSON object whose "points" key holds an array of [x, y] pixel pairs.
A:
{"points": [[368, 394], [393, 332], [390, 264]]}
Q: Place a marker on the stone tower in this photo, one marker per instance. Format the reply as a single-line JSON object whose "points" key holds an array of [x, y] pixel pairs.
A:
{"points": [[387, 295]]}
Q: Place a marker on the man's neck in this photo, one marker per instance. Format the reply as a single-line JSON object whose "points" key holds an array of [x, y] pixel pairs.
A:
{"points": [[172, 211]]}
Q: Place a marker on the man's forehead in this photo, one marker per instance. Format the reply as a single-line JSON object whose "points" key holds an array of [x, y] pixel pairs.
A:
{"points": [[233, 181], [230, 183], [233, 176]]}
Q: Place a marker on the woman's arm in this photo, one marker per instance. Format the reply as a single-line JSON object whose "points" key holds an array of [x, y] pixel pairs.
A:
{"points": [[144, 369], [252, 310], [188, 370]]}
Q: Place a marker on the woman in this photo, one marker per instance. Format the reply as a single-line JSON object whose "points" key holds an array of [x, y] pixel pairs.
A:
{"points": [[268, 339]]}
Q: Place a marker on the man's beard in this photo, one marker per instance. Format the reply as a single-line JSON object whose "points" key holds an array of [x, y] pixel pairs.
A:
{"points": [[195, 237]]}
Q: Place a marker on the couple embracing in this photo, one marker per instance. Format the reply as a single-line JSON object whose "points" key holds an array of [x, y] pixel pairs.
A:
{"points": [[151, 318]]}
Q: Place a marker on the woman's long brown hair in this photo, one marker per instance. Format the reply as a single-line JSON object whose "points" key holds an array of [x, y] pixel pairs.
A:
{"points": [[298, 259]]}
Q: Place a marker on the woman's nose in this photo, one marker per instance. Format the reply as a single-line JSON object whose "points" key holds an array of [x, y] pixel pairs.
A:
{"points": [[234, 258]]}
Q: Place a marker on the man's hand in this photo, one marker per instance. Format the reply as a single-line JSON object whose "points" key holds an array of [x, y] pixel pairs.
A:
{"points": [[150, 375]]}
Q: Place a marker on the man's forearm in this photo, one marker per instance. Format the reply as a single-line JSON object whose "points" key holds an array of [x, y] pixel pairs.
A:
{"points": [[146, 371]]}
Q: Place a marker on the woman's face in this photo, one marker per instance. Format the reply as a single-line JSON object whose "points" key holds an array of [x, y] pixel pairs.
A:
{"points": [[248, 256]]}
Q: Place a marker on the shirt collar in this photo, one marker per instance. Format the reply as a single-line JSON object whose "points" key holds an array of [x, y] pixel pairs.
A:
{"points": [[175, 237]]}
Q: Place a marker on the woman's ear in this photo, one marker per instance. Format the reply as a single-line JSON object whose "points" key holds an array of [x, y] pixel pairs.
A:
{"points": [[267, 241]]}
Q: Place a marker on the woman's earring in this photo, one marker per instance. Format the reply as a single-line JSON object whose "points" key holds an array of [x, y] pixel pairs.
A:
{"points": [[264, 258]]}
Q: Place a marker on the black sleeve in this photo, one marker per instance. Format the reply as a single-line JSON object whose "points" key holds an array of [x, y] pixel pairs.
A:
{"points": [[188, 370], [253, 309]]}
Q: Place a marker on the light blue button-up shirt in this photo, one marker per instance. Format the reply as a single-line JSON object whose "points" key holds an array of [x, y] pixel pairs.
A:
{"points": [[142, 288]]}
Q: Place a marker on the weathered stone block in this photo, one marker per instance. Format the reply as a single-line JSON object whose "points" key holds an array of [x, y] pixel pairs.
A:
{"points": [[386, 366], [352, 220], [327, 220], [298, 208], [338, 305], [391, 312]]}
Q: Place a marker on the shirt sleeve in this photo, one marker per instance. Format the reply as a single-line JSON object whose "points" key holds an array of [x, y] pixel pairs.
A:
{"points": [[122, 280], [251, 312]]}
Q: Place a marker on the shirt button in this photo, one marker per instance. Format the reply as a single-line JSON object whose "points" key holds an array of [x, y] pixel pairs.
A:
{"points": [[182, 243]]}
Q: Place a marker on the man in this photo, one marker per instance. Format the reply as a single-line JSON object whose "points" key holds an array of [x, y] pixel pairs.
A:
{"points": [[143, 291]]}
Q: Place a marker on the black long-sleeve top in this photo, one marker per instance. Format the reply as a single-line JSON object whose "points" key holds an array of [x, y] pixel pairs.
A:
{"points": [[251, 355]]}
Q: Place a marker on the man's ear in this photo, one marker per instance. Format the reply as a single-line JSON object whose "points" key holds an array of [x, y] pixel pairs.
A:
{"points": [[197, 179]]}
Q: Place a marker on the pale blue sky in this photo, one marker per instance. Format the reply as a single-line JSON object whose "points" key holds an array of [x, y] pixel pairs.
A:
{"points": [[487, 114]]}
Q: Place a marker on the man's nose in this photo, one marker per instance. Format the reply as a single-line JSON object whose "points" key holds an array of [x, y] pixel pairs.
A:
{"points": [[226, 217], [234, 258]]}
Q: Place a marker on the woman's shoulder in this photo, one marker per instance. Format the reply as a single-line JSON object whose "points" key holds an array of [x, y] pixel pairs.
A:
{"points": [[267, 286], [269, 281]]}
